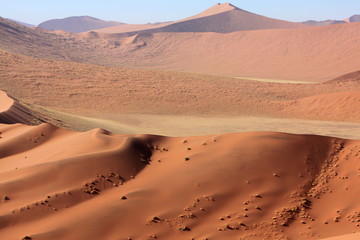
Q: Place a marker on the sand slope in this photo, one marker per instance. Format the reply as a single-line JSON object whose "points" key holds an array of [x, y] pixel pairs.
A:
{"points": [[346, 78], [307, 54], [108, 92], [327, 106], [66, 185], [220, 18], [11, 111], [353, 236], [310, 54]]}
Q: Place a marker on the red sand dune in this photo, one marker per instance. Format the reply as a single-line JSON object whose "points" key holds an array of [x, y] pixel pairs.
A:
{"points": [[309, 54], [221, 18], [11, 111], [57, 184]]}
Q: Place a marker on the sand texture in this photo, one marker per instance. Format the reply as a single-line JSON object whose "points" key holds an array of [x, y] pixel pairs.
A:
{"points": [[109, 92], [222, 125], [58, 184], [306, 54], [11, 111]]}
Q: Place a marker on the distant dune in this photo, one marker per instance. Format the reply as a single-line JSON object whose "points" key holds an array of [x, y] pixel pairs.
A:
{"points": [[22, 23], [306, 54], [76, 24], [331, 106], [349, 77], [354, 18], [323, 23], [223, 70], [221, 18]]}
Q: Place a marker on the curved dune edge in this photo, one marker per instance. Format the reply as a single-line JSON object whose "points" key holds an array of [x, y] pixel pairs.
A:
{"points": [[210, 20], [12, 111], [58, 184], [346, 78], [326, 106]]}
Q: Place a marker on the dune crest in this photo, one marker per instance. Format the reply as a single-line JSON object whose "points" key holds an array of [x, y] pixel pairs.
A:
{"points": [[216, 9], [61, 184], [11, 111], [220, 18]]}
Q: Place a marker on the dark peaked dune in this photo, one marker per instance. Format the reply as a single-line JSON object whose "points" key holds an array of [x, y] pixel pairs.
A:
{"points": [[76, 24], [221, 18], [354, 18]]}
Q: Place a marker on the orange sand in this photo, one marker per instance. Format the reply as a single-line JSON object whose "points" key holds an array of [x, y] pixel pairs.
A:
{"points": [[307, 54], [61, 184], [67, 185]]}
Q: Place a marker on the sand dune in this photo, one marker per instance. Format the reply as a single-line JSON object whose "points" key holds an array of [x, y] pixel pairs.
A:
{"points": [[220, 18], [60, 184], [11, 111], [77, 24], [132, 28], [349, 77], [327, 106], [22, 23], [323, 23], [354, 18], [309, 54]]}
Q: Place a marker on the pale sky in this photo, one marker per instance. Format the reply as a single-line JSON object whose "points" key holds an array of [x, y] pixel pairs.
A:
{"points": [[144, 11]]}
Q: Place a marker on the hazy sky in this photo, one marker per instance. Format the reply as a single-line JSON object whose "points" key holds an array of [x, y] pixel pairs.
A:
{"points": [[144, 11]]}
